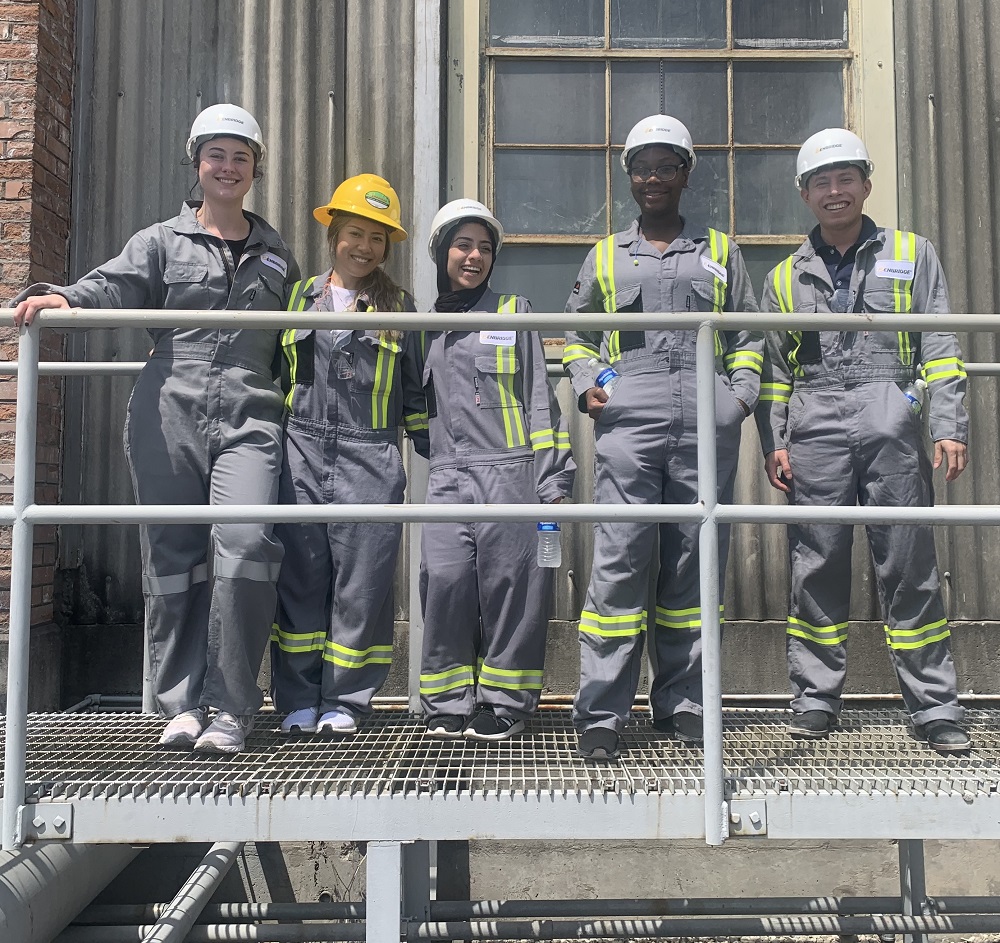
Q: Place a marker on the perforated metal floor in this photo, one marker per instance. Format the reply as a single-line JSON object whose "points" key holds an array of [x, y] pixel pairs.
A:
{"points": [[873, 751]]}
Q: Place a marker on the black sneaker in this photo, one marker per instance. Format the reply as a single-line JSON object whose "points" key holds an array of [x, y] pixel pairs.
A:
{"points": [[945, 736], [486, 725], [684, 725], [598, 743], [810, 725], [445, 726]]}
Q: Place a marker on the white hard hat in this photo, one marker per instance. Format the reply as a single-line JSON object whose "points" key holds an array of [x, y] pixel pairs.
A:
{"points": [[452, 212], [831, 146], [658, 129], [229, 121]]}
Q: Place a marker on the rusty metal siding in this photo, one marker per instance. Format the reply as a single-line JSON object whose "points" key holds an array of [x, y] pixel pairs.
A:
{"points": [[330, 82]]}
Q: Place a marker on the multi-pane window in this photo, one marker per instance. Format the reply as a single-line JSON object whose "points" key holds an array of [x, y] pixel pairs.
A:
{"points": [[567, 79]]}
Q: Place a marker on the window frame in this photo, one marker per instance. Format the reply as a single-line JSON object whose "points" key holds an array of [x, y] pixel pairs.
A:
{"points": [[868, 83]]}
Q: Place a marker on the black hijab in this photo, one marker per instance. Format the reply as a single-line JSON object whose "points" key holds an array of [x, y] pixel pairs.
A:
{"points": [[466, 298]]}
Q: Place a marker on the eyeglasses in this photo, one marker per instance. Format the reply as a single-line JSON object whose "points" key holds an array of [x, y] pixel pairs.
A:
{"points": [[664, 173]]}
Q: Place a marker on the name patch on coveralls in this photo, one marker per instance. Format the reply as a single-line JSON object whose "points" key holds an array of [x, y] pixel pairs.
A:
{"points": [[498, 338], [719, 271], [276, 262], [895, 268]]}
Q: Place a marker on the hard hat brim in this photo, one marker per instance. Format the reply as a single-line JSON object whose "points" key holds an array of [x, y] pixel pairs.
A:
{"points": [[324, 216]]}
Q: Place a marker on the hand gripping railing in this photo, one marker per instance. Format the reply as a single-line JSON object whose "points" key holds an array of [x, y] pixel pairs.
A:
{"points": [[25, 514]]}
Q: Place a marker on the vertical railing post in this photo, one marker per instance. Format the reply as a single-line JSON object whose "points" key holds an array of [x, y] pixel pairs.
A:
{"points": [[716, 820], [19, 630]]}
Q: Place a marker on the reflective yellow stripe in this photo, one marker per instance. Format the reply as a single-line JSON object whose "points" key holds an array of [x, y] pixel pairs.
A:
{"points": [[296, 302], [529, 679], [681, 618], [510, 408], [593, 624], [580, 352], [463, 676], [942, 369], [543, 439], [908, 639], [297, 643], [775, 392], [745, 359], [904, 250], [600, 249], [718, 246], [820, 634], [346, 657]]}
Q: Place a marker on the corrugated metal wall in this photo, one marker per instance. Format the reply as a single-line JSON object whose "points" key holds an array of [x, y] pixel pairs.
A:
{"points": [[948, 119], [331, 81]]}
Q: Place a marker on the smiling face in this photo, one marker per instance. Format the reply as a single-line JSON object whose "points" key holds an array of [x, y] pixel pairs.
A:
{"points": [[656, 195], [357, 247], [470, 256], [225, 169], [836, 195]]}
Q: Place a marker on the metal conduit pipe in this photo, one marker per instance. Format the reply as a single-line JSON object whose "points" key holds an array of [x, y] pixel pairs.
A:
{"points": [[43, 888], [182, 912], [560, 929], [125, 914]]}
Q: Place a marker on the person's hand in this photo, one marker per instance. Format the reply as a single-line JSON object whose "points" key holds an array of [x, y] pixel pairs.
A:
{"points": [[555, 501], [595, 400], [955, 454], [743, 406], [26, 310], [779, 471]]}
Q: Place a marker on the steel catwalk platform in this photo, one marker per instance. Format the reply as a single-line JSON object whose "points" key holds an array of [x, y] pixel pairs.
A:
{"points": [[101, 778]]}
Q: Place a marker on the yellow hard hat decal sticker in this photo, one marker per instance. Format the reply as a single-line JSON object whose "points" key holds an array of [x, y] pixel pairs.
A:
{"points": [[379, 200]]}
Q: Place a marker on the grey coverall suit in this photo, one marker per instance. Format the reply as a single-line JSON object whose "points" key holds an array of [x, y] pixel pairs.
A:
{"points": [[646, 453], [835, 402], [496, 436], [203, 427], [332, 642]]}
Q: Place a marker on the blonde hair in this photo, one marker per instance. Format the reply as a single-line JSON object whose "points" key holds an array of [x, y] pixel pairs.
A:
{"points": [[382, 292]]}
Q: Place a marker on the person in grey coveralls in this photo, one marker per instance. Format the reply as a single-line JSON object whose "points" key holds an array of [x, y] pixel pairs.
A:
{"points": [[203, 427], [840, 424]]}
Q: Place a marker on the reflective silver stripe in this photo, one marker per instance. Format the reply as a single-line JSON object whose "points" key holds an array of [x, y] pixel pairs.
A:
{"points": [[181, 583], [234, 569]]}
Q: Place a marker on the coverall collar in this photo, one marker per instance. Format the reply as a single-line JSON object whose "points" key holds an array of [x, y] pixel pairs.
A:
{"points": [[262, 235], [690, 235], [807, 259]]}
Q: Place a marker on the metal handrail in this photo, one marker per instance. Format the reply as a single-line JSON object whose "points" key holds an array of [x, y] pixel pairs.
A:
{"points": [[24, 514]]}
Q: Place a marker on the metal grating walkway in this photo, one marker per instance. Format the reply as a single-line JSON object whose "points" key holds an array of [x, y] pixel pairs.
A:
{"points": [[112, 761]]}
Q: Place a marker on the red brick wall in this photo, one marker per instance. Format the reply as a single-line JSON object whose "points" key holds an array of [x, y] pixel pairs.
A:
{"points": [[36, 103]]}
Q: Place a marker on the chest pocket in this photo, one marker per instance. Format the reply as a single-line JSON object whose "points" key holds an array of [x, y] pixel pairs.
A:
{"points": [[499, 385], [263, 292], [376, 361], [186, 285]]}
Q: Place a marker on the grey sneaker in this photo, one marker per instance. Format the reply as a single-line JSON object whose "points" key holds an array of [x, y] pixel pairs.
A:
{"points": [[184, 729], [226, 734]]}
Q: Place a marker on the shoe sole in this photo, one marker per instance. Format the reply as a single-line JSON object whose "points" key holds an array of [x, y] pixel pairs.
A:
{"points": [[797, 734], [948, 747], [178, 743], [686, 738], [602, 756], [439, 734], [506, 735], [217, 750], [297, 731]]}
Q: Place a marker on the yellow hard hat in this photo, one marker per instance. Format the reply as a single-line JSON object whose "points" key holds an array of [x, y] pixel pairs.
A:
{"points": [[368, 196]]}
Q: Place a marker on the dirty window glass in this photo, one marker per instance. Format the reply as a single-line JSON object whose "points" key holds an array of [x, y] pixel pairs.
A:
{"points": [[551, 191], [549, 102], [543, 274], [767, 201], [779, 24], [665, 24], [552, 23], [780, 102], [641, 87]]}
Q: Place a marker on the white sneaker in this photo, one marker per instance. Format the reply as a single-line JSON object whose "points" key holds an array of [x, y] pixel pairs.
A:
{"points": [[226, 734], [337, 722], [301, 721], [184, 729]]}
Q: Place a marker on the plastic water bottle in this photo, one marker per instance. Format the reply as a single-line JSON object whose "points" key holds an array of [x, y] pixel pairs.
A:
{"points": [[915, 394], [549, 545], [608, 379]]}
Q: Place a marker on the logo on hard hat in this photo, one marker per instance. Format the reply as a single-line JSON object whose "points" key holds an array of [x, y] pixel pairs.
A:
{"points": [[827, 147], [379, 200]]}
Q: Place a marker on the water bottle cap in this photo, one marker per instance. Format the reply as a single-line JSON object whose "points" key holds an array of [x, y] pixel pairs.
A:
{"points": [[606, 376], [548, 526]]}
